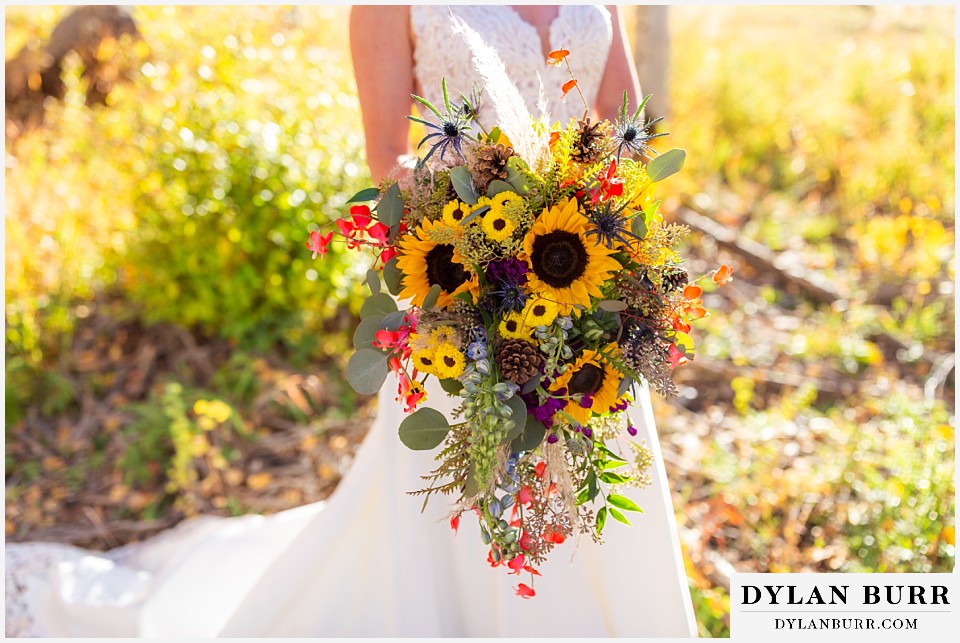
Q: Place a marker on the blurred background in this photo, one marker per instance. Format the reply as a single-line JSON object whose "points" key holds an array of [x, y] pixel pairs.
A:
{"points": [[172, 350]]}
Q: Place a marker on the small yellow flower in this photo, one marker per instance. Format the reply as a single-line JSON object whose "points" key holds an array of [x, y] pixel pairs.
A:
{"points": [[498, 227], [512, 327], [455, 212], [449, 362], [539, 312], [498, 201], [425, 360]]}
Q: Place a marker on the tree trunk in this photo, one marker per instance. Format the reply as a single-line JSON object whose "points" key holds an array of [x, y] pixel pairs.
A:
{"points": [[651, 52]]}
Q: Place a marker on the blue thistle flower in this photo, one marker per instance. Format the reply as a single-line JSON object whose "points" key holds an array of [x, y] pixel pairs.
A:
{"points": [[631, 132]]}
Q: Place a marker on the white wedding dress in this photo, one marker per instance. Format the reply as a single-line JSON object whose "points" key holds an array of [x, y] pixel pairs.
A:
{"points": [[366, 562]]}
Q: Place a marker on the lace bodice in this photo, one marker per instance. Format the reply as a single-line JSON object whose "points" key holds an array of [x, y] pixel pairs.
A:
{"points": [[440, 53]]}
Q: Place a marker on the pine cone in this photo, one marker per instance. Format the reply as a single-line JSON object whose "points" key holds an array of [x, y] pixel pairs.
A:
{"points": [[673, 278], [592, 142], [491, 165], [451, 192], [519, 361]]}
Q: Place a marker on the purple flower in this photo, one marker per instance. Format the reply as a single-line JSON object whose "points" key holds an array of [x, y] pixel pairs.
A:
{"points": [[619, 406], [588, 432], [511, 271], [552, 438], [586, 401], [632, 430]]}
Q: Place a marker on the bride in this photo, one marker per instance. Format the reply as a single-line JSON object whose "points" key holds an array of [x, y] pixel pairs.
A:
{"points": [[366, 562]]}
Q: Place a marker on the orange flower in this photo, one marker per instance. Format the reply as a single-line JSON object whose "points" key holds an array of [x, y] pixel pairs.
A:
{"points": [[723, 274], [554, 139], [694, 309], [569, 85], [692, 291], [557, 57]]}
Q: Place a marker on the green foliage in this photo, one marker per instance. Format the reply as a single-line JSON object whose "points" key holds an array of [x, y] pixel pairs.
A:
{"points": [[238, 160]]}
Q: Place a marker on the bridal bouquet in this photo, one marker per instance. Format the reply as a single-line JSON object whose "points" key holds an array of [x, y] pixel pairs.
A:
{"points": [[543, 286]]}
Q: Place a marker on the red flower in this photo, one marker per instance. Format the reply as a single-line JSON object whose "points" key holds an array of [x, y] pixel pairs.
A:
{"points": [[385, 339], [455, 523], [553, 535], [516, 563], [679, 324], [541, 467], [524, 591], [569, 85], [361, 216], [380, 232], [387, 255], [318, 243], [676, 357], [493, 563], [525, 497], [526, 542]]}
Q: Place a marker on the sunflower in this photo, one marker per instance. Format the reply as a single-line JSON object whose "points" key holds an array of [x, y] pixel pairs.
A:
{"points": [[593, 378], [512, 327], [497, 226], [425, 361], [455, 212], [539, 312], [425, 263], [566, 266], [448, 362]]}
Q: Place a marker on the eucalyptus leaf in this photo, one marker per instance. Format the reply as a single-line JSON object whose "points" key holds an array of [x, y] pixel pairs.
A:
{"points": [[393, 321], [432, 296], [380, 304], [518, 413], [612, 305], [666, 164], [516, 177], [532, 436], [473, 215], [390, 208], [472, 486], [638, 226], [373, 280], [451, 386], [601, 519], [463, 184], [531, 384], [393, 277], [366, 332], [424, 429], [625, 385], [497, 186], [623, 503], [367, 370], [368, 194]]}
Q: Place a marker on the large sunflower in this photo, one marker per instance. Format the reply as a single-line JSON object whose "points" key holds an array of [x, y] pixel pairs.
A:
{"points": [[424, 262], [591, 376], [566, 266]]}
